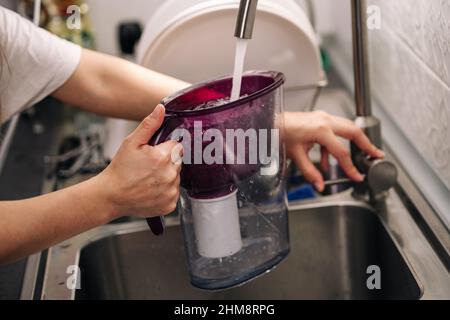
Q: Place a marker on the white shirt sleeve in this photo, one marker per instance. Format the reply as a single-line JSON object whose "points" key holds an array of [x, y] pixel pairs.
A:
{"points": [[37, 63]]}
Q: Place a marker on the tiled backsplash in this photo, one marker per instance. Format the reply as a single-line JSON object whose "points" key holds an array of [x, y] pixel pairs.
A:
{"points": [[410, 64], [411, 74]]}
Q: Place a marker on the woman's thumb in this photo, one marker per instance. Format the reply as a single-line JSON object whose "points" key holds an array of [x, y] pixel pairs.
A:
{"points": [[148, 127]]}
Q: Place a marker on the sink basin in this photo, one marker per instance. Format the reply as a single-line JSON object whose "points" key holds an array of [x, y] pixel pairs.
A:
{"points": [[331, 249]]}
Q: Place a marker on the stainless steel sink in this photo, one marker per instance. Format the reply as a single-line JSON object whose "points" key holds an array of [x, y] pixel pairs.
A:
{"points": [[334, 240], [331, 249]]}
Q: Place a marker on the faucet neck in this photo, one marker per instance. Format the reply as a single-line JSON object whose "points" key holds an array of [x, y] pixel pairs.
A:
{"points": [[246, 19], [361, 58]]}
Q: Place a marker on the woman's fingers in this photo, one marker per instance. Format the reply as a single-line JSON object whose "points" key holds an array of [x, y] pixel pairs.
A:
{"points": [[329, 140], [349, 130], [310, 172], [319, 127]]}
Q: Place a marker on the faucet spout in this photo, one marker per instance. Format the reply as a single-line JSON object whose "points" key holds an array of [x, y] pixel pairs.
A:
{"points": [[246, 19]]}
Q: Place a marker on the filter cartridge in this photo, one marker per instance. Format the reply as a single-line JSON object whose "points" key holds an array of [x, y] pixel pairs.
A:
{"points": [[216, 226]]}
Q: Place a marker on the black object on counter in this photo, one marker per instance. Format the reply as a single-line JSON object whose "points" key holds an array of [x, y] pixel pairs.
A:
{"points": [[129, 35]]}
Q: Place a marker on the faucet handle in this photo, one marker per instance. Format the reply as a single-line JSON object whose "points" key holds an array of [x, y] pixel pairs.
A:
{"points": [[381, 175]]}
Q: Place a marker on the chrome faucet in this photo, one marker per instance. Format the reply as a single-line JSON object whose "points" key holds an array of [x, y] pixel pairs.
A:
{"points": [[246, 19], [381, 174]]}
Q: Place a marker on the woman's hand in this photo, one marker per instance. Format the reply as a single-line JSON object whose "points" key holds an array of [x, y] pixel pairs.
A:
{"points": [[143, 180], [303, 130]]}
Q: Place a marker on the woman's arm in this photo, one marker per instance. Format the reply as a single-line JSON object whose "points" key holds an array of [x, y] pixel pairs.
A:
{"points": [[128, 186], [31, 225], [114, 87]]}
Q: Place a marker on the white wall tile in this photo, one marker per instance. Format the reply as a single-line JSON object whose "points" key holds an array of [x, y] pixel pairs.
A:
{"points": [[424, 25], [417, 100]]}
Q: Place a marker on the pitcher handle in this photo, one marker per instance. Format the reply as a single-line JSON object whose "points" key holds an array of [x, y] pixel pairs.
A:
{"points": [[157, 224]]}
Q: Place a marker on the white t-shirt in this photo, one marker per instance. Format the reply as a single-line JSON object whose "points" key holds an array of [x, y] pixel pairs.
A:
{"points": [[37, 63]]}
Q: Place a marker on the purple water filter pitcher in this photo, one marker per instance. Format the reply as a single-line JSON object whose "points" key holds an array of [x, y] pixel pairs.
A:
{"points": [[233, 199]]}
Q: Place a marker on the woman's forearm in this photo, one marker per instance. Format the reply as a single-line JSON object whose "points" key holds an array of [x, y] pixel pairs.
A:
{"points": [[114, 87], [34, 224]]}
